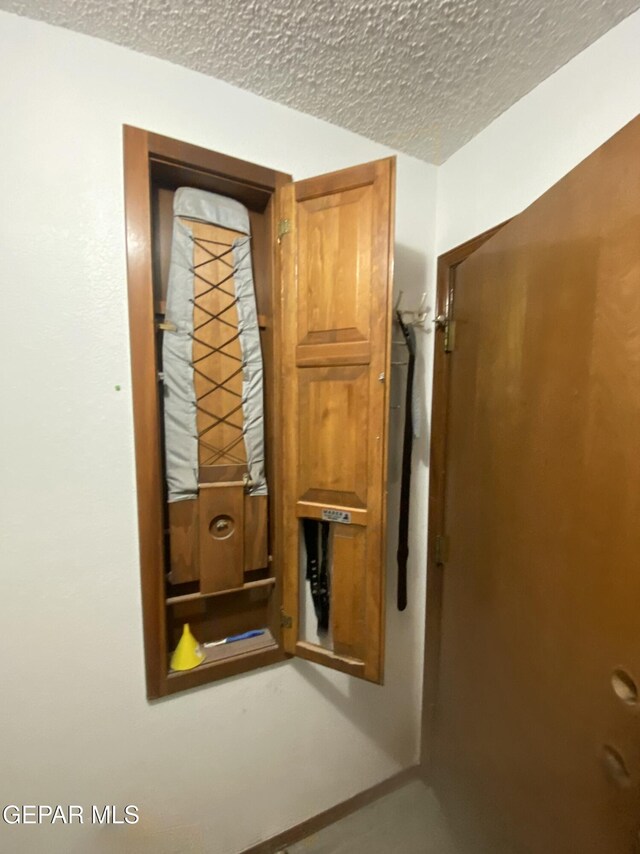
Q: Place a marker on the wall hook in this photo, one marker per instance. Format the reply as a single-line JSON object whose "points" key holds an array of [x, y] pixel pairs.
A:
{"points": [[412, 317]]}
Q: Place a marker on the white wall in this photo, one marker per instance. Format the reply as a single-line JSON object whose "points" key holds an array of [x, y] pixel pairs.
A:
{"points": [[219, 768], [541, 138]]}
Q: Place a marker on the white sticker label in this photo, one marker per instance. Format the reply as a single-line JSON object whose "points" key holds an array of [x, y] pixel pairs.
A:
{"points": [[336, 516]]}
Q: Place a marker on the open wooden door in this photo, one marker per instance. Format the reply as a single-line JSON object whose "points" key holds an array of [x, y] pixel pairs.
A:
{"points": [[336, 244], [537, 732]]}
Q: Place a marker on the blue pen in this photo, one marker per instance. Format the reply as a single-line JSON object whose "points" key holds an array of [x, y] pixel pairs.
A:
{"points": [[253, 634]]}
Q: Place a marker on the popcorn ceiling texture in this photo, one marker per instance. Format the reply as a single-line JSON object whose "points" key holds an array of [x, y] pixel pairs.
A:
{"points": [[421, 76]]}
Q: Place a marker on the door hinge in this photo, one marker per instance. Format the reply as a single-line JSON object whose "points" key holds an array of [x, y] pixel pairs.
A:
{"points": [[286, 621], [442, 548], [284, 227], [450, 336], [448, 326]]}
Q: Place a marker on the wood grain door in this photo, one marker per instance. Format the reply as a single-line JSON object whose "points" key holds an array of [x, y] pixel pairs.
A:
{"points": [[537, 732], [336, 263]]}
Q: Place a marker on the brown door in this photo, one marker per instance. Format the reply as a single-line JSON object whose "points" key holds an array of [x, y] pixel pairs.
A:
{"points": [[537, 735], [336, 257]]}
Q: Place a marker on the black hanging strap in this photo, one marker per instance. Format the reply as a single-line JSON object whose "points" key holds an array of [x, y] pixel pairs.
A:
{"points": [[405, 490], [323, 616], [316, 540]]}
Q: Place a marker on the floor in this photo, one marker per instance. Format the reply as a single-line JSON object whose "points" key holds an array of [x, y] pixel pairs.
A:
{"points": [[407, 821]]}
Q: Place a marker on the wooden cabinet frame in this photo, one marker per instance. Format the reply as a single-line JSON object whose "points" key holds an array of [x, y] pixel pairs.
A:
{"points": [[152, 161]]}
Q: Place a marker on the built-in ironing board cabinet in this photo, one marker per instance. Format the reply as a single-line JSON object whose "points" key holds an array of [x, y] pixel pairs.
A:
{"points": [[234, 555]]}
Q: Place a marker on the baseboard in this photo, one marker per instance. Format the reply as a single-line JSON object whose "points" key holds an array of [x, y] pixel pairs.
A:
{"points": [[333, 814]]}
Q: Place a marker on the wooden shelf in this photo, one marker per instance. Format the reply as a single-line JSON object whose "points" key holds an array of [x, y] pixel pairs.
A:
{"points": [[193, 597], [241, 647], [228, 659]]}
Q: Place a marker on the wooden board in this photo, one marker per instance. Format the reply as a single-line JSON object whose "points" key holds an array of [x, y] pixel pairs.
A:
{"points": [[336, 269], [221, 534], [183, 541], [256, 520], [217, 356], [537, 736], [348, 579]]}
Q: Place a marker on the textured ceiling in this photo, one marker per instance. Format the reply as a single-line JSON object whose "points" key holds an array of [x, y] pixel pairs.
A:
{"points": [[422, 76]]}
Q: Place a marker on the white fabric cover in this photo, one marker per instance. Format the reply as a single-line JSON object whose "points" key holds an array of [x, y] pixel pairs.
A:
{"points": [[181, 438]]}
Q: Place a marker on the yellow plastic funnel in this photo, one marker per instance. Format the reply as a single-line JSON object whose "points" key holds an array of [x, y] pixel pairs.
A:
{"points": [[187, 654]]}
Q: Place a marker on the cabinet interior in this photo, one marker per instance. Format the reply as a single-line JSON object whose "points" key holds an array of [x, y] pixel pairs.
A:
{"points": [[228, 554]]}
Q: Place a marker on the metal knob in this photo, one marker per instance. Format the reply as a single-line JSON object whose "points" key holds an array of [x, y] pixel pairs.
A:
{"points": [[440, 321]]}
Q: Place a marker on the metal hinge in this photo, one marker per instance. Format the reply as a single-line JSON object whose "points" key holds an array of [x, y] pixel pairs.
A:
{"points": [[449, 327], [285, 620], [442, 548], [284, 227], [450, 336]]}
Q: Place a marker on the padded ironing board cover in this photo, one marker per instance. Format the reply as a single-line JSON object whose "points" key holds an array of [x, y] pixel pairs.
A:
{"points": [[181, 434]]}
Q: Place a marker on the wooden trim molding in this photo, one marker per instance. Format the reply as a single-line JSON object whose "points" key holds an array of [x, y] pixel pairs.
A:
{"points": [[324, 819], [145, 405], [447, 264]]}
